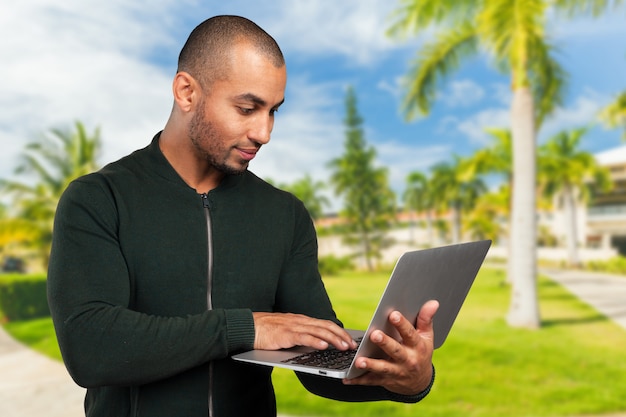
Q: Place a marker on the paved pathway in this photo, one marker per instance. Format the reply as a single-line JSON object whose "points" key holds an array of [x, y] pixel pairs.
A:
{"points": [[32, 385], [604, 292]]}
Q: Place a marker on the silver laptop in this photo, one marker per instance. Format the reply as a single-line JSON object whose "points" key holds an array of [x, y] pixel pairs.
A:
{"points": [[444, 274]]}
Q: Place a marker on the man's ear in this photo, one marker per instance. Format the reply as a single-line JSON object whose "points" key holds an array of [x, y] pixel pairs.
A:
{"points": [[186, 91]]}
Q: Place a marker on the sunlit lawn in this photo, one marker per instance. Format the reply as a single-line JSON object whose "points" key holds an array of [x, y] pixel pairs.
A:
{"points": [[574, 365]]}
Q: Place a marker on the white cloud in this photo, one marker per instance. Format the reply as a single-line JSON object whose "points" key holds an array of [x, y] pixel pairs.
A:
{"points": [[401, 159], [447, 124], [462, 93], [307, 134], [71, 61], [394, 87], [474, 126], [355, 29], [501, 93], [581, 112]]}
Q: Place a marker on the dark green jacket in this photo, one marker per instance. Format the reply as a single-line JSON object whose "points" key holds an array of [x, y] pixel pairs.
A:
{"points": [[147, 311]]}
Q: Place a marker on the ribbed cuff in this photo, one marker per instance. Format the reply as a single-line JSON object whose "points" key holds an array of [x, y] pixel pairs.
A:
{"points": [[240, 329], [417, 397]]}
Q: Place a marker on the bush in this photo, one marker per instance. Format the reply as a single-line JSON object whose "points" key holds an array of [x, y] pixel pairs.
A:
{"points": [[332, 265], [615, 265], [23, 297]]}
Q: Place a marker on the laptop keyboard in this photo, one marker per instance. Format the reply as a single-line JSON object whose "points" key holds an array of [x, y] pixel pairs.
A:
{"points": [[330, 358]]}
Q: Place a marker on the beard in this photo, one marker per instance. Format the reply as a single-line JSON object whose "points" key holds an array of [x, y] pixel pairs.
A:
{"points": [[206, 141]]}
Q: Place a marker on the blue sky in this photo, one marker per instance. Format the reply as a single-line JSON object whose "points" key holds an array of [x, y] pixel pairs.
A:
{"points": [[110, 64]]}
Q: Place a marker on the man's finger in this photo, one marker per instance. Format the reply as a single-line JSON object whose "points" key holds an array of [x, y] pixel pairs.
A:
{"points": [[426, 315]]}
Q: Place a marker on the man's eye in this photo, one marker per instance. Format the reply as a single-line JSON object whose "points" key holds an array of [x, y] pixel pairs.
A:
{"points": [[245, 110]]}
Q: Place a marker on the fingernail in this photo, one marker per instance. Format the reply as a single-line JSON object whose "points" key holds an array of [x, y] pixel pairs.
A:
{"points": [[345, 344], [377, 337]]}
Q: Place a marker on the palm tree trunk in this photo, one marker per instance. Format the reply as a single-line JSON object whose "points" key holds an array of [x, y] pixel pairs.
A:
{"points": [[456, 223], [572, 229], [429, 228], [524, 308]]}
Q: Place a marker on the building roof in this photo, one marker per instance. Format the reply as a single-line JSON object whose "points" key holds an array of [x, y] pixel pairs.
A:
{"points": [[612, 156]]}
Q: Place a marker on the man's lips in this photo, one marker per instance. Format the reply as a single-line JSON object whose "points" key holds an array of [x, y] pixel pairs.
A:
{"points": [[247, 154]]}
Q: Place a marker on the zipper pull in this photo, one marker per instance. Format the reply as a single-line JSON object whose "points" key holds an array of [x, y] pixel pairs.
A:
{"points": [[205, 201]]}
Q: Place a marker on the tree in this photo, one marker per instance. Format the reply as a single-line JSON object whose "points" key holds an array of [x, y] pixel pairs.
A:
{"points": [[455, 191], [570, 172], [369, 203], [513, 34], [308, 191], [496, 159], [486, 218], [418, 198], [47, 167], [614, 115]]}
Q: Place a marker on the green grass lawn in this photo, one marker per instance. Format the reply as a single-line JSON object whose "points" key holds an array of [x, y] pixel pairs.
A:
{"points": [[574, 365]]}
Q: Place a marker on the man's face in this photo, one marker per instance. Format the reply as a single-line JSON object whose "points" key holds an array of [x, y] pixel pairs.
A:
{"points": [[235, 117]]}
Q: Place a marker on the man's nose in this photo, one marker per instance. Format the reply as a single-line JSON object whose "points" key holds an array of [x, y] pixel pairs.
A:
{"points": [[262, 130]]}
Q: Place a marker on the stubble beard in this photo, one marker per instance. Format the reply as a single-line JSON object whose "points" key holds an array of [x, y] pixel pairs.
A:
{"points": [[205, 140]]}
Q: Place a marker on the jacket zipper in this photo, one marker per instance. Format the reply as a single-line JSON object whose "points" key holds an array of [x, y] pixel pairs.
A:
{"points": [[207, 214]]}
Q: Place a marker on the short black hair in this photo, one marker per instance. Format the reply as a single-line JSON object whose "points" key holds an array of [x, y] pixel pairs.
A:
{"points": [[205, 55]]}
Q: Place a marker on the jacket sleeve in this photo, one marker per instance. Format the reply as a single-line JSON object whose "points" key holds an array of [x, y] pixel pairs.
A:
{"points": [[302, 290], [102, 340]]}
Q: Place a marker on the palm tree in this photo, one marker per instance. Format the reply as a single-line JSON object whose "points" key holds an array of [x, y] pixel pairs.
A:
{"points": [[570, 172], [48, 165], [485, 219], [456, 191], [614, 115], [496, 159], [308, 190], [418, 198], [513, 34]]}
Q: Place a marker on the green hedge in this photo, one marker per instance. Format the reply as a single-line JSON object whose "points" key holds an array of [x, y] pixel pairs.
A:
{"points": [[23, 297], [332, 265]]}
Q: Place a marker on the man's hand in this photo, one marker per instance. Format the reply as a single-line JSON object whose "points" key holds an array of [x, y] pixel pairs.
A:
{"points": [[408, 371], [283, 330]]}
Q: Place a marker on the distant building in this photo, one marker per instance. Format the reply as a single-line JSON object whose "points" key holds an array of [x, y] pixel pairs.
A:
{"points": [[606, 215]]}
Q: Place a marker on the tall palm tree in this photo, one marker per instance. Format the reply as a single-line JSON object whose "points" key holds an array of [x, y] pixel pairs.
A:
{"points": [[48, 165], [513, 34], [568, 171], [418, 198]]}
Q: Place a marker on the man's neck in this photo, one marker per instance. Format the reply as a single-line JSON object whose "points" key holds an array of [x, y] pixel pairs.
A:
{"points": [[196, 173]]}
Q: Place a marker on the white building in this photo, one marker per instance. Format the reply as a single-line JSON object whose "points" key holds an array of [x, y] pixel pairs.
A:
{"points": [[601, 222], [606, 216]]}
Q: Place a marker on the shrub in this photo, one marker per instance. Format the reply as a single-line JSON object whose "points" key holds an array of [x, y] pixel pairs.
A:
{"points": [[332, 265], [616, 265], [23, 297]]}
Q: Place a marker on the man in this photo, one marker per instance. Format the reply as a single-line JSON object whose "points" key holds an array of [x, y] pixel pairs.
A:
{"points": [[167, 262]]}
